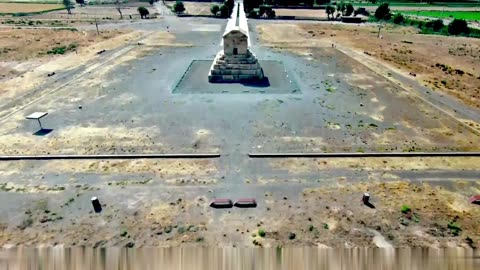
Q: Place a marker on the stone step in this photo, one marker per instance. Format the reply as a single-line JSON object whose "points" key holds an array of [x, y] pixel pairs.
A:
{"points": [[242, 61], [236, 72], [233, 78], [236, 66]]}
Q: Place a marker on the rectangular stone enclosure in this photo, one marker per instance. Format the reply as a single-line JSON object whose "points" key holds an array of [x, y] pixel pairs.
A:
{"points": [[276, 81]]}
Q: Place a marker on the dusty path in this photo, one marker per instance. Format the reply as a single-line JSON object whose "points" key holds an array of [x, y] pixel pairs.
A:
{"points": [[162, 9]]}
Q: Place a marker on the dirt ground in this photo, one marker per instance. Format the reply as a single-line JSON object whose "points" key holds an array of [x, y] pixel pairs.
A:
{"points": [[313, 13], [127, 106], [17, 7], [28, 44], [197, 8], [105, 12], [329, 215], [448, 64], [27, 69]]}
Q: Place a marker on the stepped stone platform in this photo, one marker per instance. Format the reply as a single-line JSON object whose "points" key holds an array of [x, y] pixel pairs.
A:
{"points": [[235, 68]]}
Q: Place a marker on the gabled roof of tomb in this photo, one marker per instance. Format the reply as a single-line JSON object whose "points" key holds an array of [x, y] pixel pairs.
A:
{"points": [[235, 30]]}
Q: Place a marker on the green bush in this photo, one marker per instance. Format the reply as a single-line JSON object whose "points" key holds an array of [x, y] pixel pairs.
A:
{"points": [[253, 14], [454, 228], [214, 9], [398, 18], [62, 49], [458, 26], [382, 12], [405, 209], [178, 7], [261, 233]]}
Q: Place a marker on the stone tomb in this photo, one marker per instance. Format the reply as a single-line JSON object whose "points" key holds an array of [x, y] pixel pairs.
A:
{"points": [[235, 63]]}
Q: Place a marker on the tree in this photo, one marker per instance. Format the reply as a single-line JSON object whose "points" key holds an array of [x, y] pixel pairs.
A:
{"points": [[261, 10], [151, 2], [249, 5], [398, 18], [382, 12], [341, 7], [214, 9], [80, 2], [349, 9], [68, 5], [143, 12], [330, 10], [309, 3], [118, 6], [458, 26], [224, 12], [271, 14], [437, 25], [229, 4], [178, 7]]}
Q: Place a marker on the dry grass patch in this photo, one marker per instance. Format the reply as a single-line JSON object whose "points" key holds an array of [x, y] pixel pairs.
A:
{"points": [[449, 64], [26, 8]]}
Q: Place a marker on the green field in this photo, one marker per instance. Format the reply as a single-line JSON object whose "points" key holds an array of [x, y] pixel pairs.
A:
{"points": [[466, 15]]}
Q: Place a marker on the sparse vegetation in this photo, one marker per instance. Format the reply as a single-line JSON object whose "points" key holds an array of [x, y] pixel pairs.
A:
{"points": [[454, 228], [62, 50], [405, 209], [168, 229], [26, 223]]}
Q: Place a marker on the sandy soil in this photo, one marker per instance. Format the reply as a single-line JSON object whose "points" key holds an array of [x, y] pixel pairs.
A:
{"points": [[376, 164], [108, 12], [197, 8], [443, 63], [26, 44], [313, 13], [329, 216], [34, 74], [16, 7]]}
